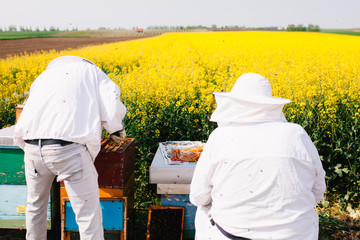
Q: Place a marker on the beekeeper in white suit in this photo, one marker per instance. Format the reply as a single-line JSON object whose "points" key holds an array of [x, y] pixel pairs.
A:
{"points": [[60, 131], [259, 176]]}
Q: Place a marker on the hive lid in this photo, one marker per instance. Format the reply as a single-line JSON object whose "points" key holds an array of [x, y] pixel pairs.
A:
{"points": [[7, 136]]}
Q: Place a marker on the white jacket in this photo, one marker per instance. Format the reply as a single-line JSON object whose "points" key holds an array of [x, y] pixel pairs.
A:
{"points": [[71, 100], [259, 176]]}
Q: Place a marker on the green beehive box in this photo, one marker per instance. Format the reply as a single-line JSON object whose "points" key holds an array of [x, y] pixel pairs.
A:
{"points": [[12, 168], [13, 183]]}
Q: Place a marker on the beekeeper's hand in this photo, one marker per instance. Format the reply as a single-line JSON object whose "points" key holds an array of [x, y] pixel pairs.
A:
{"points": [[118, 136]]}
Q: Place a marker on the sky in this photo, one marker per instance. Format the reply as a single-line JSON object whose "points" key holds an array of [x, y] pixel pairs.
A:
{"points": [[113, 14]]}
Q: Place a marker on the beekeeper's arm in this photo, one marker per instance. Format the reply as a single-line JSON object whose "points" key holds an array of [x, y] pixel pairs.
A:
{"points": [[201, 184], [319, 186], [112, 110]]}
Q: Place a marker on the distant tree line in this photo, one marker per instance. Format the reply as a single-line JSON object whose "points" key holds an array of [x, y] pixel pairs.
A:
{"points": [[302, 28], [175, 27], [243, 28], [214, 27], [291, 27], [14, 28]]}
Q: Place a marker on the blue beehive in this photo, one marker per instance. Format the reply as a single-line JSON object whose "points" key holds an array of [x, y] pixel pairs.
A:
{"points": [[13, 183], [112, 211]]}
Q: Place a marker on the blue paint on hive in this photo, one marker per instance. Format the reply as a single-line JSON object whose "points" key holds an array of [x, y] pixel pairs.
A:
{"points": [[112, 213], [178, 200]]}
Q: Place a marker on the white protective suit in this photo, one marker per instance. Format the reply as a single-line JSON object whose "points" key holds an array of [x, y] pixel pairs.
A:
{"points": [[71, 100], [259, 176]]}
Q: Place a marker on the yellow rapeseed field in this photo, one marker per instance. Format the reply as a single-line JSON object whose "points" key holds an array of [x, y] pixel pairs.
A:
{"points": [[192, 65], [167, 81]]}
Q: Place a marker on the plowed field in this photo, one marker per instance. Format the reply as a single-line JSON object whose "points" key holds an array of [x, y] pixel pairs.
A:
{"points": [[19, 46]]}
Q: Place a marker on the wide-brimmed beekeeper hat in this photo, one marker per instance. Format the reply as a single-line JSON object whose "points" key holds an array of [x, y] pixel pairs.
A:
{"points": [[254, 88], [250, 100]]}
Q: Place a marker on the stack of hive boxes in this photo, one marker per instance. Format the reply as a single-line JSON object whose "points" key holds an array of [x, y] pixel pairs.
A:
{"points": [[115, 166], [13, 183]]}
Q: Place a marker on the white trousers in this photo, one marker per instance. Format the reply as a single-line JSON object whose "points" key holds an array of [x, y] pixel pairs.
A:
{"points": [[73, 165], [203, 228]]}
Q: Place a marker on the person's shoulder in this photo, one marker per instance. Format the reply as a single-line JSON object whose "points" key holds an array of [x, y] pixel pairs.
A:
{"points": [[221, 130], [88, 61], [291, 126], [297, 132], [86, 64], [286, 130], [297, 127], [100, 73], [215, 134], [223, 134]]}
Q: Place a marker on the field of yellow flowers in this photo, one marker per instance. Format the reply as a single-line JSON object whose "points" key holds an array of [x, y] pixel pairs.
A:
{"points": [[167, 81]]}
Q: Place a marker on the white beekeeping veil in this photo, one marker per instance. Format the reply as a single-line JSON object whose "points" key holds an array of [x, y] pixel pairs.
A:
{"points": [[250, 100]]}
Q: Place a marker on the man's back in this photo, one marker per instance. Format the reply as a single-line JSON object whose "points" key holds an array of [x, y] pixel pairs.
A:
{"points": [[266, 180], [71, 100]]}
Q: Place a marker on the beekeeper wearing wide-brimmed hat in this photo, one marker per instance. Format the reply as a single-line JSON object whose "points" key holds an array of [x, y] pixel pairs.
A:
{"points": [[259, 176], [60, 131]]}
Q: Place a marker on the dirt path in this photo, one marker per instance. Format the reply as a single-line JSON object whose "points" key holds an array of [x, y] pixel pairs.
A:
{"points": [[19, 46]]}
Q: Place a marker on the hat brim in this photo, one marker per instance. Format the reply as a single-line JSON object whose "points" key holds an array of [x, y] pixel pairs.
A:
{"points": [[254, 99]]}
